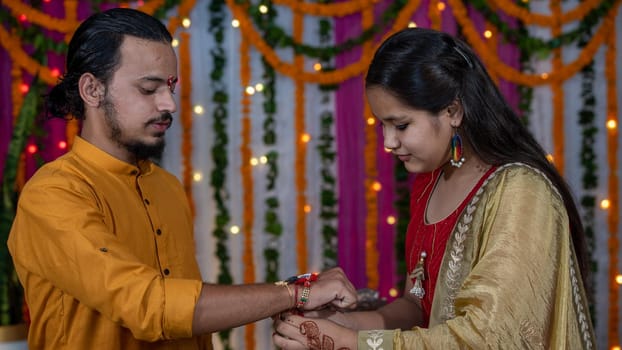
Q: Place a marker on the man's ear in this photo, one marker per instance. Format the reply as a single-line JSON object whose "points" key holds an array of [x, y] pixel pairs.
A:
{"points": [[91, 90]]}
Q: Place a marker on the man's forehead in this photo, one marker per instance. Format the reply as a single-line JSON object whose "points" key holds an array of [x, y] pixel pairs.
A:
{"points": [[148, 60]]}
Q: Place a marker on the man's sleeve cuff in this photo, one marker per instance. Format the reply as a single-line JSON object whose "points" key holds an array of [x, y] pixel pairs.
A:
{"points": [[180, 299]]}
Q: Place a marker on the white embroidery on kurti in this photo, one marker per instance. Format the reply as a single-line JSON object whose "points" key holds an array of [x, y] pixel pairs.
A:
{"points": [[375, 340], [454, 279], [583, 322]]}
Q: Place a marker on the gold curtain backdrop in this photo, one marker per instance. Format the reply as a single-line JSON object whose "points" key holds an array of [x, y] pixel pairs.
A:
{"points": [[554, 78]]}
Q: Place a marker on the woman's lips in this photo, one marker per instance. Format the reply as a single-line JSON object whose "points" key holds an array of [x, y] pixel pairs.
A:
{"points": [[403, 157]]}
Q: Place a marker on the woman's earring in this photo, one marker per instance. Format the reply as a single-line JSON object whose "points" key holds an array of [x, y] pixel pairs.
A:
{"points": [[456, 150]]}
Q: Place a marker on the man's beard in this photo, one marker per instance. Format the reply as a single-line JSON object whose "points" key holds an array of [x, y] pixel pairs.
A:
{"points": [[139, 149]]}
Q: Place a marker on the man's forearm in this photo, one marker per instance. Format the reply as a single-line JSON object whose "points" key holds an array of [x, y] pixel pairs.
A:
{"points": [[222, 307]]}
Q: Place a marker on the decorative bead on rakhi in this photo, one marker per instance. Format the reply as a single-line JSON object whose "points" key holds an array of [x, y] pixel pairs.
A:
{"points": [[456, 150], [418, 274], [172, 83], [303, 280]]}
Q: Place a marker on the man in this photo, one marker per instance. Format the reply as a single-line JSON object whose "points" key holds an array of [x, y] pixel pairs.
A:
{"points": [[103, 239]]}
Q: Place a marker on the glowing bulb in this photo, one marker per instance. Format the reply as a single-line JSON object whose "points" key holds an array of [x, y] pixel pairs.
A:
{"points": [[55, 72], [393, 292], [235, 23], [24, 88], [263, 9], [619, 279], [305, 138], [263, 159], [22, 18], [376, 186], [390, 219], [615, 347], [62, 145], [175, 43], [440, 6], [487, 34], [550, 158], [612, 124], [412, 25], [371, 121], [317, 67], [198, 109], [186, 22], [307, 208], [254, 161], [605, 204], [32, 149], [197, 176], [544, 76], [259, 87], [250, 90], [234, 229]]}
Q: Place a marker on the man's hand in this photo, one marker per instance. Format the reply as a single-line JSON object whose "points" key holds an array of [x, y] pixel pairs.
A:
{"points": [[332, 287]]}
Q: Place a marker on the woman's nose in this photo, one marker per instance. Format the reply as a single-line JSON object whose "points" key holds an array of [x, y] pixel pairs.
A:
{"points": [[390, 138]]}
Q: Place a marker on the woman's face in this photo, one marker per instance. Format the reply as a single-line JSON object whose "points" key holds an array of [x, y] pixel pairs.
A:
{"points": [[418, 138]]}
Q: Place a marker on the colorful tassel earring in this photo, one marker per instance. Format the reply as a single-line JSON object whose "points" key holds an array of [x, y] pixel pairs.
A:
{"points": [[456, 150]]}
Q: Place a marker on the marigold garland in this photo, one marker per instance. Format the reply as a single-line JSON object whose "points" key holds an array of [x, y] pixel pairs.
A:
{"points": [[371, 173], [493, 46], [20, 58], [301, 152], [185, 114], [290, 70], [16, 93], [613, 213], [35, 16], [558, 94], [151, 6], [336, 9], [527, 17], [247, 179], [495, 64], [434, 15], [13, 45]]}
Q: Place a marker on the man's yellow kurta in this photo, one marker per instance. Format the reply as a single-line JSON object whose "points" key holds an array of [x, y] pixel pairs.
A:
{"points": [[105, 251]]}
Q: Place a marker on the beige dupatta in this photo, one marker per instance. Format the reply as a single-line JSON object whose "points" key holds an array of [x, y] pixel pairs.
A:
{"points": [[509, 277]]}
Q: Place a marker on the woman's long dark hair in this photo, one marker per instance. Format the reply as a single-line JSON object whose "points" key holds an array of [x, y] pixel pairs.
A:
{"points": [[428, 70], [95, 48]]}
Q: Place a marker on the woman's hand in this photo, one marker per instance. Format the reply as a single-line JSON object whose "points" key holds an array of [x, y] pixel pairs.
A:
{"points": [[294, 332]]}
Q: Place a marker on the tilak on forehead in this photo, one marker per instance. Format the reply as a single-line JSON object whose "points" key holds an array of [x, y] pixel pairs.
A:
{"points": [[171, 82]]}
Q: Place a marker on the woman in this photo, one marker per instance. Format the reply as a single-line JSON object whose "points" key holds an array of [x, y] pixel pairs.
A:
{"points": [[495, 247]]}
